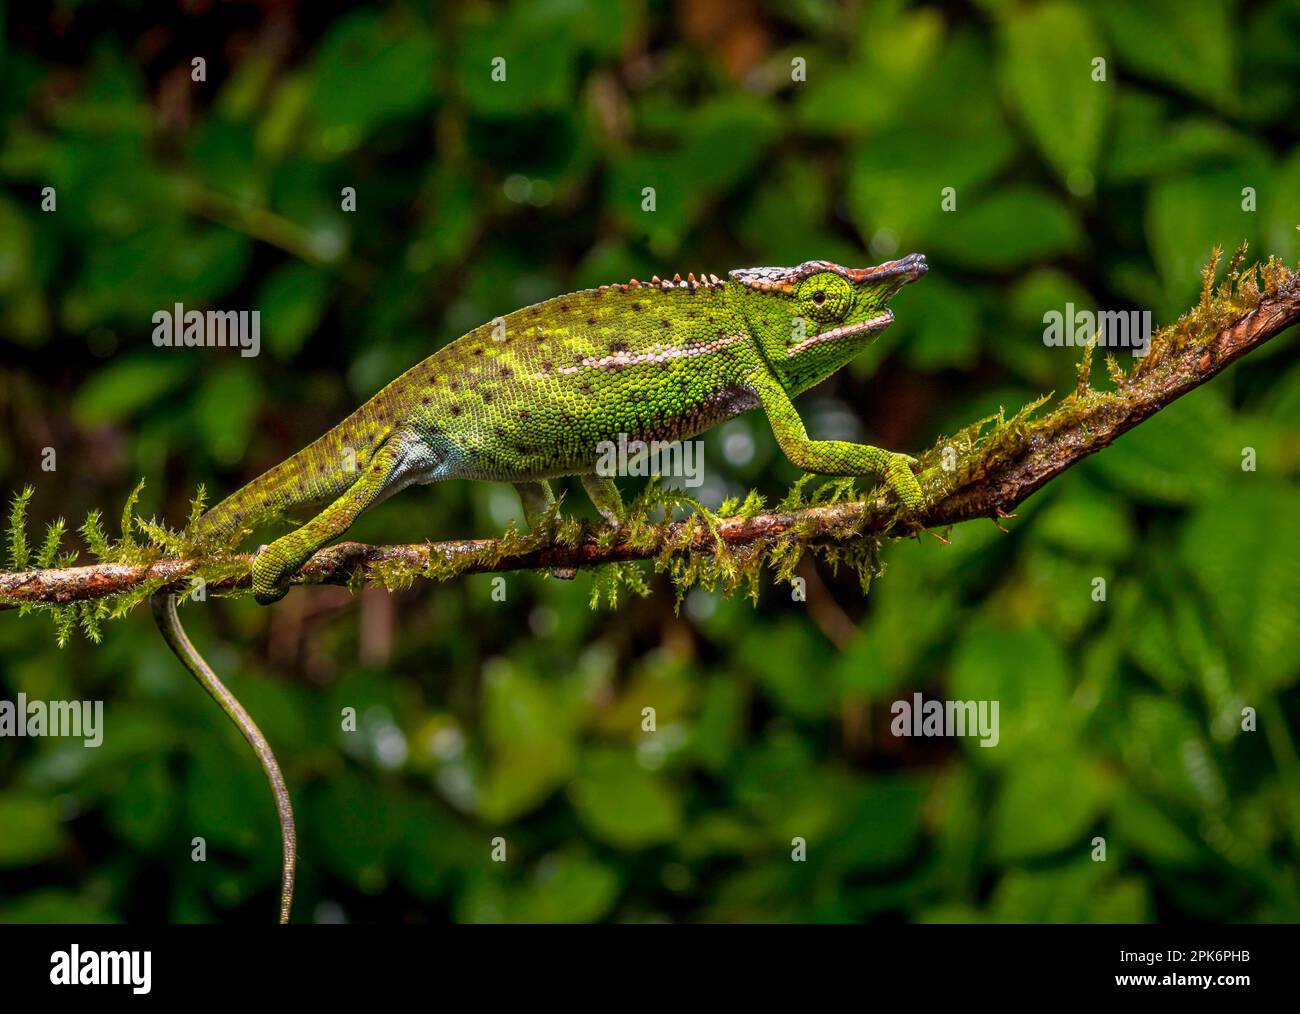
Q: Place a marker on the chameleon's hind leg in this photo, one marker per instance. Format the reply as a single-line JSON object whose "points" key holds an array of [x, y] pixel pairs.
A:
{"points": [[537, 499], [276, 562], [605, 495]]}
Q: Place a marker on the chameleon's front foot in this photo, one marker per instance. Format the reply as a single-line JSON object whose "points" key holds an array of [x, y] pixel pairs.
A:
{"points": [[270, 575], [902, 480]]}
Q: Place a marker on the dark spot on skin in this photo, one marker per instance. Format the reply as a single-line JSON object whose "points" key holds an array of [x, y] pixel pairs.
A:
{"points": [[454, 410], [664, 323], [591, 320], [478, 352], [487, 397], [618, 346], [500, 432], [585, 387], [547, 366], [636, 306], [507, 372], [525, 414], [564, 307], [454, 385], [424, 400]]}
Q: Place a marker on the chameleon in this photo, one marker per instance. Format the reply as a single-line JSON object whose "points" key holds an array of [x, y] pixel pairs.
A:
{"points": [[530, 396]]}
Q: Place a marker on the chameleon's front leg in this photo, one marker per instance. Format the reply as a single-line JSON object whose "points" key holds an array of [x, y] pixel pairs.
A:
{"points": [[834, 457], [276, 562]]}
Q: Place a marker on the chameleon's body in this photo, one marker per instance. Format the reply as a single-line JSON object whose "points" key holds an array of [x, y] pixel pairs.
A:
{"points": [[531, 396]]}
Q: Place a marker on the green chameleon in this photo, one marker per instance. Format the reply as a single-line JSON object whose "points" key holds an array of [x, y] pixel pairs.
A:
{"points": [[532, 396]]}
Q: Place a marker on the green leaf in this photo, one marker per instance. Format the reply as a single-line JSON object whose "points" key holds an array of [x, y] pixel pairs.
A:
{"points": [[897, 180], [1087, 523], [1139, 824], [143, 815], [225, 410], [1011, 229], [1046, 806], [783, 657], [55, 906], [531, 738], [119, 390], [1023, 670], [877, 85], [1081, 892], [622, 803], [1240, 549], [1153, 461], [947, 328], [32, 829], [370, 69], [1187, 216], [1047, 74], [567, 888], [1189, 45]]}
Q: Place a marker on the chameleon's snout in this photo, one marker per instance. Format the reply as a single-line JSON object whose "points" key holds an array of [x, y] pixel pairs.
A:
{"points": [[905, 269]]}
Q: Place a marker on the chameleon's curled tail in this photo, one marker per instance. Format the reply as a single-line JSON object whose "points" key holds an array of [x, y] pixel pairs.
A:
{"points": [[164, 614]]}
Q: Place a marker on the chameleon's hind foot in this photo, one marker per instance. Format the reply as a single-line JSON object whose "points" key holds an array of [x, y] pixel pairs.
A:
{"points": [[270, 576], [606, 498], [538, 501]]}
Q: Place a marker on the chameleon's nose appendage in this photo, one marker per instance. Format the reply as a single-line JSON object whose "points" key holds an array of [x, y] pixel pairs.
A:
{"points": [[906, 269]]}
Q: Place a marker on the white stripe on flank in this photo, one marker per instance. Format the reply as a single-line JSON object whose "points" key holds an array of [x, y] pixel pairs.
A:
{"points": [[620, 360]]}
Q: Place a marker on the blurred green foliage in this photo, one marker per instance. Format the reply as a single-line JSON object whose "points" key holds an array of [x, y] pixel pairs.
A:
{"points": [[523, 719]]}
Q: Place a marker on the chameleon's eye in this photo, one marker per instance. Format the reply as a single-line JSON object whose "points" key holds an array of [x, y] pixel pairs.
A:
{"points": [[825, 297]]}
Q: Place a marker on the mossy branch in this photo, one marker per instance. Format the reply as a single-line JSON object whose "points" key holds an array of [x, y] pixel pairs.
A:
{"points": [[983, 471]]}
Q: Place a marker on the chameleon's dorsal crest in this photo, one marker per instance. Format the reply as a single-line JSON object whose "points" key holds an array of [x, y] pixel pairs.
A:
{"points": [[777, 279], [705, 281]]}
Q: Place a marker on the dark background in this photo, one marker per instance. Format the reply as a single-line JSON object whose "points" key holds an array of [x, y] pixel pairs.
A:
{"points": [[522, 718]]}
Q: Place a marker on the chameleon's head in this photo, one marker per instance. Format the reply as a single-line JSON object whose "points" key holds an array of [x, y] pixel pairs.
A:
{"points": [[812, 319]]}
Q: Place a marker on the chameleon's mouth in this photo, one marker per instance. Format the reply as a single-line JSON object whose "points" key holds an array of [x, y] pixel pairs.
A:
{"points": [[869, 326]]}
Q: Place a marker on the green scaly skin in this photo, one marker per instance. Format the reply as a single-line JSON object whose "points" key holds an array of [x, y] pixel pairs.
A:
{"points": [[531, 396]]}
